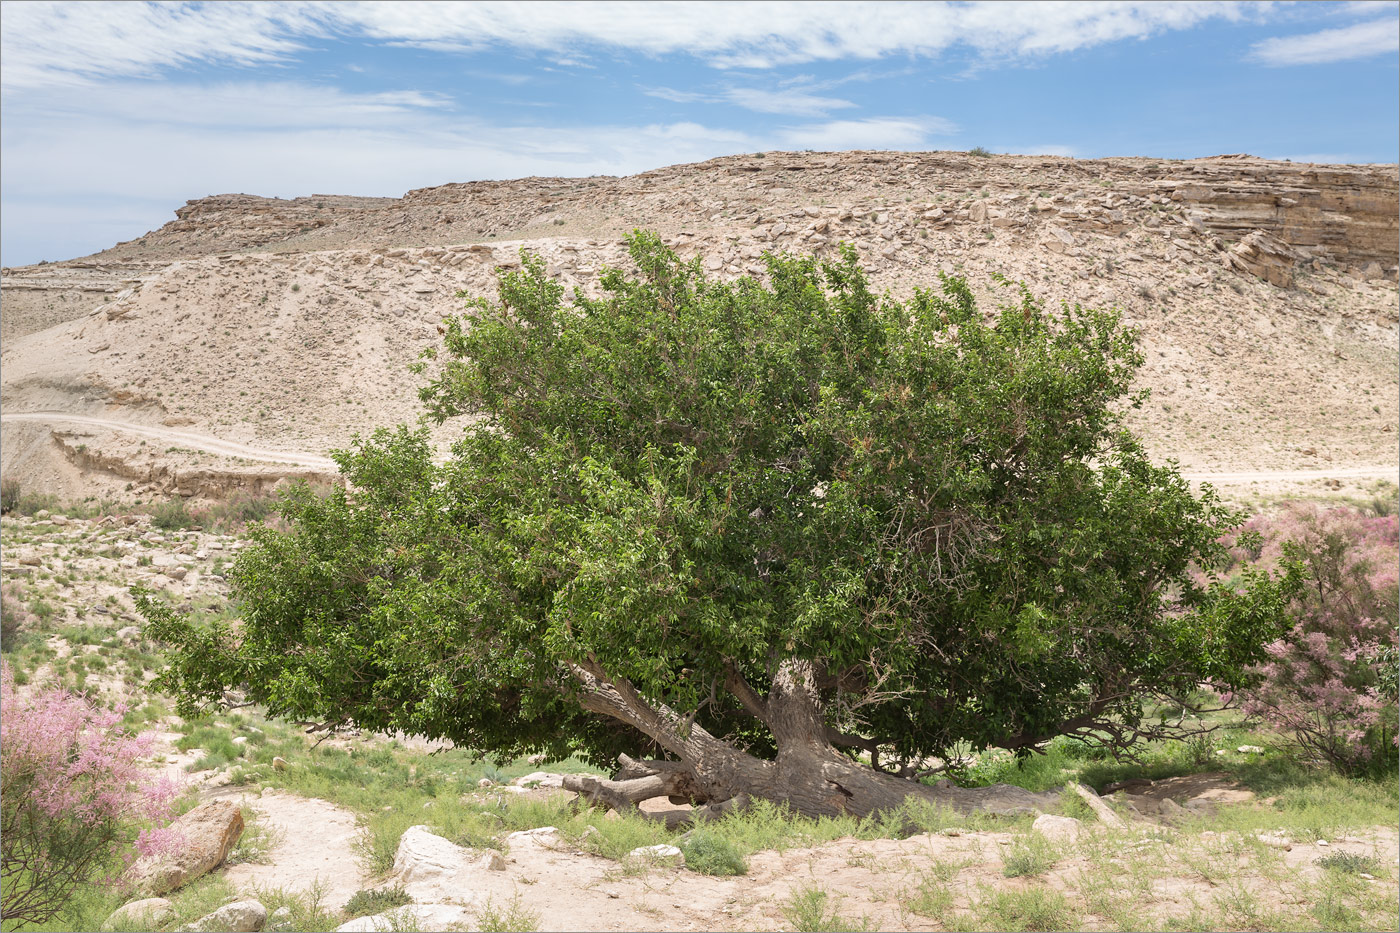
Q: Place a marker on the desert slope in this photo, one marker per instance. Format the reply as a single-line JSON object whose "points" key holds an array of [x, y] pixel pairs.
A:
{"points": [[1264, 291]]}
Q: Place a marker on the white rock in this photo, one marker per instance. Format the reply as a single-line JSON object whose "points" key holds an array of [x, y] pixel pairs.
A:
{"points": [[149, 913], [238, 917], [540, 779], [1057, 828], [658, 853], [540, 834], [432, 868], [1250, 750]]}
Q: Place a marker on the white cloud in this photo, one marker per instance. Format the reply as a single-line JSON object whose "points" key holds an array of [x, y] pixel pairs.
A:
{"points": [[872, 133], [792, 101], [48, 43], [679, 97], [1363, 40], [66, 43], [229, 106]]}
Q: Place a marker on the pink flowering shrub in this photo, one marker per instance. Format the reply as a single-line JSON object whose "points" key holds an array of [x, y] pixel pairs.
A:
{"points": [[75, 806], [1330, 683]]}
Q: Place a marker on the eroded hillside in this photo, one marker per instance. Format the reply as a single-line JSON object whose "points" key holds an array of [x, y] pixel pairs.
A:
{"points": [[1265, 293]]}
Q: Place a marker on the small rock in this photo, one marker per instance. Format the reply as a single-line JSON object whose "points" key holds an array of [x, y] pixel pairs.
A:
{"points": [[279, 918], [663, 853], [538, 834], [238, 917], [1250, 750], [1057, 827], [147, 914], [279, 763], [1323, 842], [485, 782], [539, 779]]}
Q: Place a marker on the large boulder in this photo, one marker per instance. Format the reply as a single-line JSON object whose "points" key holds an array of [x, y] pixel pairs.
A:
{"points": [[431, 868], [238, 917], [146, 914], [207, 834]]}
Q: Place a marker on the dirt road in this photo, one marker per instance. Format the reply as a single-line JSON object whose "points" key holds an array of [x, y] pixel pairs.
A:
{"points": [[203, 442], [216, 445]]}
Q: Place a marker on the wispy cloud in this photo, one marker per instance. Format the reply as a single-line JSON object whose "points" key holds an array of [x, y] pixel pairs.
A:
{"points": [[872, 133], [55, 43], [791, 101], [679, 97], [1363, 40]]}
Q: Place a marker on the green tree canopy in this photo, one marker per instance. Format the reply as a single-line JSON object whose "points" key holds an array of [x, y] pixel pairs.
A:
{"points": [[747, 530]]}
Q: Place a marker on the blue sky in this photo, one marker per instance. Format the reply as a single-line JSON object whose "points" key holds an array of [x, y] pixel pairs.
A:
{"points": [[115, 113]]}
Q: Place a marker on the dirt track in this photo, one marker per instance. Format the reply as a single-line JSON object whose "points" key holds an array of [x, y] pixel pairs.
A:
{"points": [[300, 458], [196, 441]]}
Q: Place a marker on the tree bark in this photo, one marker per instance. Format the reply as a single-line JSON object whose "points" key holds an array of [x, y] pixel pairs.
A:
{"points": [[807, 774]]}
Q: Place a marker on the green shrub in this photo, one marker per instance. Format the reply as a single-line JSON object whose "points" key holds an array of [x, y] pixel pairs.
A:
{"points": [[1350, 863], [172, 514], [809, 909], [1031, 909], [371, 901], [514, 917], [1032, 854], [712, 854]]}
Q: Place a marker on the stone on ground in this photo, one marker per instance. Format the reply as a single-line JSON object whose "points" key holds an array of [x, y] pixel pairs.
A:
{"points": [[1057, 828], [431, 868], [238, 917], [669, 855], [148, 913], [207, 834]]}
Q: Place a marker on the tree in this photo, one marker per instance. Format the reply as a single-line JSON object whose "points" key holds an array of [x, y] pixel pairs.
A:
{"points": [[751, 532], [76, 799]]}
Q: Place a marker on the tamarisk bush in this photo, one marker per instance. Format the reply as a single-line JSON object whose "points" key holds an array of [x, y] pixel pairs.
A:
{"points": [[1330, 682], [76, 804]]}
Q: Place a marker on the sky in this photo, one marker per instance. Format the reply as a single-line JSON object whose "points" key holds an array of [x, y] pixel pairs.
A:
{"points": [[113, 114]]}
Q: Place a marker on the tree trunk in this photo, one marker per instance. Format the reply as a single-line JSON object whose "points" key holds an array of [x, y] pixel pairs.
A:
{"points": [[808, 774]]}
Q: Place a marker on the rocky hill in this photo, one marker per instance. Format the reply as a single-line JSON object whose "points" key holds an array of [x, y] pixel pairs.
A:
{"points": [[1265, 293]]}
